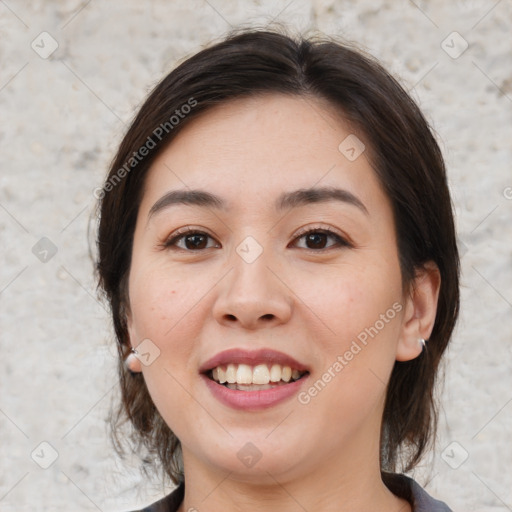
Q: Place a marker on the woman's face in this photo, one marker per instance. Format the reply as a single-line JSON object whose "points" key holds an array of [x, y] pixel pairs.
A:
{"points": [[235, 283]]}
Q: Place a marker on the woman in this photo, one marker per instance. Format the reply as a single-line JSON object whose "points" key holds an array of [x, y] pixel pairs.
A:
{"points": [[277, 244]]}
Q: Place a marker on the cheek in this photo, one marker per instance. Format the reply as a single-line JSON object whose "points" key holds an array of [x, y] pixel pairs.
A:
{"points": [[160, 297], [164, 310], [357, 352], [352, 299], [361, 310]]}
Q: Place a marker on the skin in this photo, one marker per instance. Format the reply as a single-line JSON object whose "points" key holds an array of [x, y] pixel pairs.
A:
{"points": [[309, 301]]}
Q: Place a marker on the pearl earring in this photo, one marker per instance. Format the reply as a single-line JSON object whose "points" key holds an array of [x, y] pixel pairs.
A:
{"points": [[422, 342], [130, 360]]}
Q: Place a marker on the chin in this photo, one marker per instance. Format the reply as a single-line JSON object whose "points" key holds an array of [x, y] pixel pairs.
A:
{"points": [[257, 461]]}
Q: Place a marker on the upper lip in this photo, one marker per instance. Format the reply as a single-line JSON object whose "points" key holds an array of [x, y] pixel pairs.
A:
{"points": [[252, 358]]}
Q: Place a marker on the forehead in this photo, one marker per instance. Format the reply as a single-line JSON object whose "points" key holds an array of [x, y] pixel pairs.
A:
{"points": [[253, 148]]}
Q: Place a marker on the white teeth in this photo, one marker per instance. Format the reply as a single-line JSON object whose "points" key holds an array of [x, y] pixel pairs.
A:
{"points": [[260, 374], [249, 387], [275, 373], [221, 375], [244, 374], [286, 373], [248, 376], [231, 373]]}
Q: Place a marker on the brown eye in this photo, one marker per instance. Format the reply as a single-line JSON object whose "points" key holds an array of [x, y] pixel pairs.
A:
{"points": [[318, 239], [190, 241]]}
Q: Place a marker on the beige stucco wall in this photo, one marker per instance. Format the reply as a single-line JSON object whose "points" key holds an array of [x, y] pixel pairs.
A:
{"points": [[61, 117]]}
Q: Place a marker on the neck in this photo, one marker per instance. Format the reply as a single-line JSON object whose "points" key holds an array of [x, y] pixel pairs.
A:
{"points": [[351, 483]]}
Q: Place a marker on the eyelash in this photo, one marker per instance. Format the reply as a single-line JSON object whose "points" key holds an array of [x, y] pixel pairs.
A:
{"points": [[181, 234]]}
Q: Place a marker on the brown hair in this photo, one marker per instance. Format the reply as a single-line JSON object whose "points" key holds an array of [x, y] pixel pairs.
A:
{"points": [[404, 155]]}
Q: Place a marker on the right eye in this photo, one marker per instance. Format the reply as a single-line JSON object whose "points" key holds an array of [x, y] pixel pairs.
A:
{"points": [[189, 240]]}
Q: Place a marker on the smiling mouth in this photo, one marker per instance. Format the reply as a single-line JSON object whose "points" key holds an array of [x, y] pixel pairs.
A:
{"points": [[244, 377]]}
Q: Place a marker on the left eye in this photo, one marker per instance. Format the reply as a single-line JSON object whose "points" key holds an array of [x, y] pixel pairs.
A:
{"points": [[317, 239]]}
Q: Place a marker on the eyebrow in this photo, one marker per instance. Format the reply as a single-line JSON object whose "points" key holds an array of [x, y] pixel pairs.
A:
{"points": [[287, 200]]}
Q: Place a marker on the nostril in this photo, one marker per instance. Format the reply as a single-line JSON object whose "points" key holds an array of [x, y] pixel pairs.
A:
{"points": [[268, 316]]}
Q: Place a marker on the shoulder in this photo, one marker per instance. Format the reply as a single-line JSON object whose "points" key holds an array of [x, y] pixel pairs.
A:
{"points": [[423, 502], [420, 499], [171, 502]]}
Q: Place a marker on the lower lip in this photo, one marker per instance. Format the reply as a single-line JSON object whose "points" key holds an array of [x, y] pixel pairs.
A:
{"points": [[253, 400]]}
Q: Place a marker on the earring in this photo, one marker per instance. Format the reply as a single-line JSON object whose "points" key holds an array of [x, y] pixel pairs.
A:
{"points": [[130, 360], [422, 342]]}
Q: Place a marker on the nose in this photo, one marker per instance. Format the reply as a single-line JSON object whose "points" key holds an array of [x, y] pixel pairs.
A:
{"points": [[253, 296]]}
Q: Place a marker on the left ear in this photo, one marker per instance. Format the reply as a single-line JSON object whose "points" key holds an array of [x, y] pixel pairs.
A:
{"points": [[420, 312]]}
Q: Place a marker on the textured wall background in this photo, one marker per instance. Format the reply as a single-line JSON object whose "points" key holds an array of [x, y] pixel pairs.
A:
{"points": [[62, 115]]}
